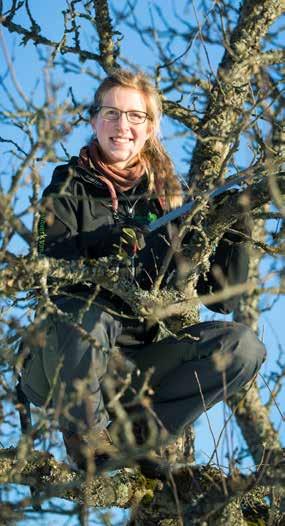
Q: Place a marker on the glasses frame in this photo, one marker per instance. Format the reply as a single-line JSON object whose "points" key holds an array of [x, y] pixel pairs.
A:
{"points": [[146, 116]]}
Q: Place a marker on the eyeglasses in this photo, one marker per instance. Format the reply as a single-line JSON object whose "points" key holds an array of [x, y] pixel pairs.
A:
{"points": [[113, 114]]}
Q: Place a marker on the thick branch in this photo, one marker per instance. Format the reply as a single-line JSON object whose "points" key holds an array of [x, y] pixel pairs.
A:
{"points": [[252, 415], [57, 479], [202, 491], [108, 51], [253, 419], [181, 114], [271, 57], [221, 121]]}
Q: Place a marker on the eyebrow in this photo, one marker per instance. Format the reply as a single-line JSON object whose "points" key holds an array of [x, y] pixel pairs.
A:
{"points": [[116, 108]]}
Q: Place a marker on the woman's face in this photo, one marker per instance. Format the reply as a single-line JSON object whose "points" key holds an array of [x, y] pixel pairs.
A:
{"points": [[121, 140]]}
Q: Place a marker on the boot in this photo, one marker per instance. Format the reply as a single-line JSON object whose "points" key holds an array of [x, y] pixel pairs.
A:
{"points": [[102, 451], [79, 451], [148, 433]]}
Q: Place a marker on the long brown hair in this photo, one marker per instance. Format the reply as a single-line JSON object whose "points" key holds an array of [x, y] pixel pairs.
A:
{"points": [[159, 167]]}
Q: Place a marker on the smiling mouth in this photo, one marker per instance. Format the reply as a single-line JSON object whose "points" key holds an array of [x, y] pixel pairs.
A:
{"points": [[120, 140]]}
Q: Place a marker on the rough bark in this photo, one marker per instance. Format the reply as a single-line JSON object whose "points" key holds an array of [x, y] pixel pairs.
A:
{"points": [[190, 494], [251, 414], [108, 50], [224, 117], [51, 478]]}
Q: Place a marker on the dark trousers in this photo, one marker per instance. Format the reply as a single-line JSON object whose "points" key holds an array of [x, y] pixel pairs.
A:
{"points": [[207, 363]]}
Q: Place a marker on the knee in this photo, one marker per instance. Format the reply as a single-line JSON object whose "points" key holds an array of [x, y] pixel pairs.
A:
{"points": [[248, 352]]}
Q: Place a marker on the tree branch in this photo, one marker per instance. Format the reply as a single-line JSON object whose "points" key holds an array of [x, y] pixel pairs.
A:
{"points": [[57, 479], [181, 114], [202, 491], [37, 38], [230, 91], [270, 57], [108, 51]]}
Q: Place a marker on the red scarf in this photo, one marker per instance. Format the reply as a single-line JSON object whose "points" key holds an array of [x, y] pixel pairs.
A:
{"points": [[90, 157]]}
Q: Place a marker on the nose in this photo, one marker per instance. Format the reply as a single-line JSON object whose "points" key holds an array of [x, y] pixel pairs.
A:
{"points": [[123, 122]]}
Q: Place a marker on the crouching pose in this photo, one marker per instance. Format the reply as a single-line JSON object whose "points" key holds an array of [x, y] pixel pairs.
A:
{"points": [[95, 206]]}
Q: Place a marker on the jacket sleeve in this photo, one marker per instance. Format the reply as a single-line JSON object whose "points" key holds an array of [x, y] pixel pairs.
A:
{"points": [[59, 233], [58, 220], [228, 266]]}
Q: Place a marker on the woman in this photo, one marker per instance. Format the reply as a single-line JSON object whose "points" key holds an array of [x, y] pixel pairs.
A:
{"points": [[96, 206]]}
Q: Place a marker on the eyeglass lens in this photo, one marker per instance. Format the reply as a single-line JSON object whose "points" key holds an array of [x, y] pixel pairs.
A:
{"points": [[113, 114]]}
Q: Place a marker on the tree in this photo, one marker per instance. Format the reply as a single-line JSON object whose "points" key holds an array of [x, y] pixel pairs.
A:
{"points": [[230, 117]]}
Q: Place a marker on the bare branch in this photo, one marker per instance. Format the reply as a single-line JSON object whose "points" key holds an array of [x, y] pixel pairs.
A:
{"points": [[37, 38]]}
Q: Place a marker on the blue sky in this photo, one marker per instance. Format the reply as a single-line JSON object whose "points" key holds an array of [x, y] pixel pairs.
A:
{"points": [[29, 73]]}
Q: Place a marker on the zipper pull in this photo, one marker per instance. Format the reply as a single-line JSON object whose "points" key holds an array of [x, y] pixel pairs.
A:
{"points": [[116, 216]]}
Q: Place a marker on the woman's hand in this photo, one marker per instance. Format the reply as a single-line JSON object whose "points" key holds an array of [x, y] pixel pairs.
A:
{"points": [[131, 241]]}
